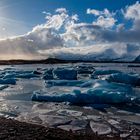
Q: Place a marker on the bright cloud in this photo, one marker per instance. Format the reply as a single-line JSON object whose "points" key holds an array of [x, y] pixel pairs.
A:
{"points": [[65, 36], [104, 19]]}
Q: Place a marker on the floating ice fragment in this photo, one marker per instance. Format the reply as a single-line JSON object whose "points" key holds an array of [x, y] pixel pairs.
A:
{"points": [[3, 87], [95, 118], [97, 73], [85, 69], [104, 93], [69, 112], [100, 128], [8, 81], [50, 83], [65, 74], [27, 75], [54, 121], [48, 75], [75, 125], [130, 79]]}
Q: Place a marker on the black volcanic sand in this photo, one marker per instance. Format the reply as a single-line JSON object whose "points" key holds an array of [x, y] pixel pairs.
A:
{"points": [[14, 130]]}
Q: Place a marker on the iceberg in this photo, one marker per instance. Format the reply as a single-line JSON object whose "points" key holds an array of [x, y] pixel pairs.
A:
{"points": [[3, 87], [27, 75], [48, 75], [108, 93], [97, 73], [8, 81], [131, 79], [65, 74], [20, 74], [77, 83], [85, 69]]}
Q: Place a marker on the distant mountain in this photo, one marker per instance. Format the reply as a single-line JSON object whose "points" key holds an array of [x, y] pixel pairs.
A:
{"points": [[61, 61]]}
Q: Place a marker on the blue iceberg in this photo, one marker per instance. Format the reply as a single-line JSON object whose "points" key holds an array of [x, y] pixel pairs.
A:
{"points": [[131, 79], [19, 74], [101, 93], [27, 75], [65, 74], [3, 87], [77, 83], [103, 72], [8, 81], [85, 69], [48, 74]]}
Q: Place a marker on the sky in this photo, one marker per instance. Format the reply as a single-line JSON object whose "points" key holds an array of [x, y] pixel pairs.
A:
{"points": [[70, 29]]}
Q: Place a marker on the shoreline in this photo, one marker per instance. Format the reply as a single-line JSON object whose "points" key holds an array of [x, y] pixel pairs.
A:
{"points": [[11, 129], [59, 61]]}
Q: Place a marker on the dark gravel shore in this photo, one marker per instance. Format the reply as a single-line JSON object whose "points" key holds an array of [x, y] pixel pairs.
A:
{"points": [[14, 130]]}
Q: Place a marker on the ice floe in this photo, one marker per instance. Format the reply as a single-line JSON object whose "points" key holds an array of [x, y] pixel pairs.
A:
{"points": [[65, 74], [101, 92], [131, 79], [100, 128], [51, 83], [97, 73], [3, 87], [8, 81], [75, 125], [48, 74]]}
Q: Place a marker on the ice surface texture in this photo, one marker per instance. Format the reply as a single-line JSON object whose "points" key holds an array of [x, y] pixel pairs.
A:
{"points": [[97, 73], [61, 74], [101, 92], [65, 74], [8, 81], [131, 79]]}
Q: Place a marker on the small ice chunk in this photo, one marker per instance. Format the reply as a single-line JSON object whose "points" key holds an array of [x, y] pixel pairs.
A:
{"points": [[87, 84], [3, 87], [75, 125], [65, 74], [54, 121], [125, 135], [69, 112], [100, 128], [94, 118], [48, 75], [113, 122]]}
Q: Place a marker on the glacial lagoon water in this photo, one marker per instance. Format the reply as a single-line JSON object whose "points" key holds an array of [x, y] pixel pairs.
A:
{"points": [[72, 96]]}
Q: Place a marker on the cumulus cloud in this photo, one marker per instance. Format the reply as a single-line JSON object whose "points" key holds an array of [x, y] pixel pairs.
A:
{"points": [[95, 12], [64, 36], [133, 13], [106, 51], [104, 19], [105, 22]]}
